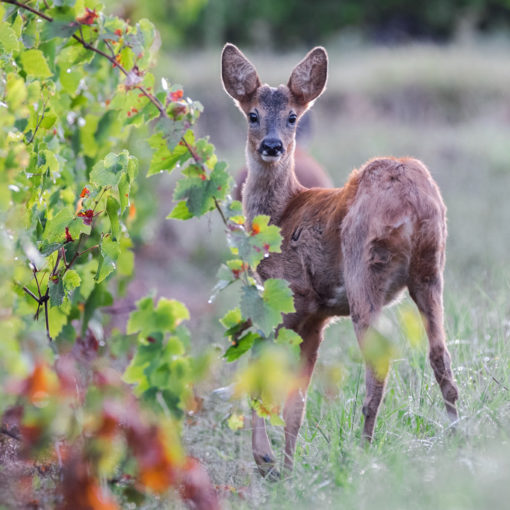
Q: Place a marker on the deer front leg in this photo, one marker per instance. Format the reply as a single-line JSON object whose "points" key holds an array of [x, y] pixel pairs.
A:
{"points": [[262, 452], [294, 410], [375, 390]]}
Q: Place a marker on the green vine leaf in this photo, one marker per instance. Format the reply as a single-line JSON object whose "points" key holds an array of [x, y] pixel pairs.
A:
{"points": [[265, 309], [35, 64]]}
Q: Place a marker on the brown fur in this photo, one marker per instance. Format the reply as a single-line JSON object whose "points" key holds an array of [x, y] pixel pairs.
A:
{"points": [[346, 251]]}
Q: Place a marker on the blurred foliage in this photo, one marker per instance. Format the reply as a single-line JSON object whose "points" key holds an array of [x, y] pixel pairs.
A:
{"points": [[74, 85], [280, 23]]}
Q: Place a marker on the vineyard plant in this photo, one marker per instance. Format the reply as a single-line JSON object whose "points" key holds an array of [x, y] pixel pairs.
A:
{"points": [[97, 413]]}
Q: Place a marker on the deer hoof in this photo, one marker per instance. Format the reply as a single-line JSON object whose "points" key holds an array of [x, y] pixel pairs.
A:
{"points": [[267, 468]]}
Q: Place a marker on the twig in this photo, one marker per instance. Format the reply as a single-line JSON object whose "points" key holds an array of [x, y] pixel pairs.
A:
{"points": [[112, 51], [220, 210], [500, 383], [7, 432], [39, 120], [87, 250], [31, 294], [28, 8], [99, 198], [36, 279], [153, 99], [57, 262], [47, 320]]}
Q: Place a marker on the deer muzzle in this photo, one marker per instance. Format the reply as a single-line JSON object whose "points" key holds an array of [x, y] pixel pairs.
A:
{"points": [[271, 149]]}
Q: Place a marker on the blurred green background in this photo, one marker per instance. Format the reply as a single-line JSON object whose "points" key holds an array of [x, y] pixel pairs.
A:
{"points": [[282, 24]]}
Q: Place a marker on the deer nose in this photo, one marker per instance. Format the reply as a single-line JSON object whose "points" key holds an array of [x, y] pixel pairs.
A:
{"points": [[271, 147]]}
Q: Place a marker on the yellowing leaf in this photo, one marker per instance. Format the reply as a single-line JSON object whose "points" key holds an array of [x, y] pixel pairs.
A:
{"points": [[235, 421], [8, 38], [34, 63], [412, 325], [378, 351], [71, 280], [269, 379]]}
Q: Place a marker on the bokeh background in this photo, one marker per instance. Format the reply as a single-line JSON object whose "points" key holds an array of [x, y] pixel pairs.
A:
{"points": [[425, 79]]}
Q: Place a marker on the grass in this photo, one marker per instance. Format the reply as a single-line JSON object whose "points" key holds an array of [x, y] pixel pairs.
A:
{"points": [[417, 459], [448, 107]]}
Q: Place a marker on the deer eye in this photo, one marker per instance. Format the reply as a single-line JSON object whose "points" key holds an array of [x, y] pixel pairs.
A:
{"points": [[292, 118], [253, 117]]}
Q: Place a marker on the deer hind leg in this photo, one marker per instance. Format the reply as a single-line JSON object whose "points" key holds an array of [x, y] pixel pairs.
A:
{"points": [[428, 296], [294, 409], [366, 290], [363, 316], [262, 452]]}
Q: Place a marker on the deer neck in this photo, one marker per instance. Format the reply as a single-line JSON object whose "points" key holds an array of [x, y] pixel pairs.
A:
{"points": [[269, 186]]}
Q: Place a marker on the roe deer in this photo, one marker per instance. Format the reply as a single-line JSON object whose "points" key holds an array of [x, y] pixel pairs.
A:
{"points": [[345, 251], [308, 172]]}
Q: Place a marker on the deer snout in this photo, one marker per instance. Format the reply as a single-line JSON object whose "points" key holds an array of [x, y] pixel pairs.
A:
{"points": [[271, 147]]}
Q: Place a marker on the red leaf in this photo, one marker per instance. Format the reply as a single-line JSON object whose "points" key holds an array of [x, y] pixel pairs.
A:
{"points": [[89, 17], [41, 384], [196, 487], [176, 95], [87, 216]]}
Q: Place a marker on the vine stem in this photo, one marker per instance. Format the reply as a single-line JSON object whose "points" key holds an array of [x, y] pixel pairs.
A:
{"points": [[39, 120], [28, 8], [7, 432], [151, 97]]}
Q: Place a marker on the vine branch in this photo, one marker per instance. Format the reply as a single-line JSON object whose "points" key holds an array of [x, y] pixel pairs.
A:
{"points": [[43, 299], [151, 97]]}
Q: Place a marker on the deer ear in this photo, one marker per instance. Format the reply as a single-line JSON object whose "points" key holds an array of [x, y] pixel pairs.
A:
{"points": [[308, 79], [239, 76]]}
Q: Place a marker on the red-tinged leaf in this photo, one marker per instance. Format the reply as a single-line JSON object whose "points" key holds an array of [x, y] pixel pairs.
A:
{"points": [[89, 17], [196, 487], [109, 424], [87, 216], [41, 384], [156, 466], [176, 95], [69, 237], [80, 489], [31, 434]]}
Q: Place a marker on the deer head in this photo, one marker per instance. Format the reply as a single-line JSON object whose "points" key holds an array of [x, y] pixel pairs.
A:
{"points": [[273, 113]]}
